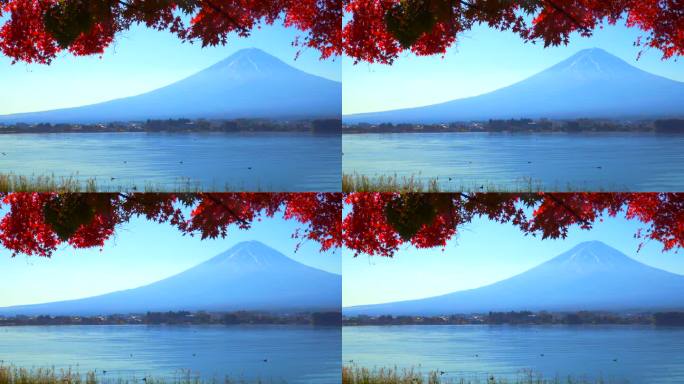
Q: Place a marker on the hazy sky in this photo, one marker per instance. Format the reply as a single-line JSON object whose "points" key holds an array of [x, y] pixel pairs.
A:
{"points": [[140, 60], [483, 60], [140, 253], [483, 253]]}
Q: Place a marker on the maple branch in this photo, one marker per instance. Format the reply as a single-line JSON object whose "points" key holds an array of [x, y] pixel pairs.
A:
{"points": [[230, 210], [562, 204], [214, 7], [568, 15], [129, 5], [468, 5], [218, 9]]}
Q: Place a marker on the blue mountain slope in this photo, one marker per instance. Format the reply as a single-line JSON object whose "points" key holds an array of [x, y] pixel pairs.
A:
{"points": [[590, 276], [249, 276], [248, 84], [590, 84]]}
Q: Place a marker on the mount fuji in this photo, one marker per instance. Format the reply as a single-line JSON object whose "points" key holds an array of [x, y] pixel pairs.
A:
{"points": [[591, 84], [590, 276], [248, 84], [249, 276]]}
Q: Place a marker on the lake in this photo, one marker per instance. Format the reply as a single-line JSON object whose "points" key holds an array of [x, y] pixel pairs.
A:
{"points": [[211, 161], [499, 161], [644, 354], [295, 354]]}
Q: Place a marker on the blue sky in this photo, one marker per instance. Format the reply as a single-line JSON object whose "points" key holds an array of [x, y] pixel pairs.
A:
{"points": [[141, 252], [140, 60], [484, 252], [483, 60]]}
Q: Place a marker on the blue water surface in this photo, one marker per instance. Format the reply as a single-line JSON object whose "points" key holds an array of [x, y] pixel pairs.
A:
{"points": [[294, 354], [170, 161], [511, 162], [615, 353]]}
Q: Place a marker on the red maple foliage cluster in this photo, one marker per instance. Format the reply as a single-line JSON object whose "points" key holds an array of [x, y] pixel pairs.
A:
{"points": [[430, 220], [37, 223], [379, 30], [373, 30], [36, 30], [373, 224]]}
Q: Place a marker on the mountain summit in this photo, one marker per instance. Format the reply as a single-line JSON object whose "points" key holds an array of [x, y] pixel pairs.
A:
{"points": [[590, 84], [248, 84], [590, 276], [250, 62], [592, 63], [251, 254], [591, 257], [248, 276]]}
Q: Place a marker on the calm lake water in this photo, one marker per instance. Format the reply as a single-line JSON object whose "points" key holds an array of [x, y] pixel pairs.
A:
{"points": [[214, 161], [627, 161], [295, 354], [644, 354]]}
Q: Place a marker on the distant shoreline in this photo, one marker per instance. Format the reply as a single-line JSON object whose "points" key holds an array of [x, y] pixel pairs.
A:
{"points": [[506, 325], [179, 318], [525, 126], [664, 318], [176, 325], [567, 133], [318, 126], [169, 132]]}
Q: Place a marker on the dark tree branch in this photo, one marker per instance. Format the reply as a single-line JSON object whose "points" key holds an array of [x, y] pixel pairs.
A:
{"points": [[230, 210], [567, 14], [218, 9], [562, 204]]}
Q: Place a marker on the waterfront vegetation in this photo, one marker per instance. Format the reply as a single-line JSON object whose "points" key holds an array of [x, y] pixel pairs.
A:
{"points": [[359, 375], [356, 182], [16, 375], [350, 375], [390, 183], [10, 182]]}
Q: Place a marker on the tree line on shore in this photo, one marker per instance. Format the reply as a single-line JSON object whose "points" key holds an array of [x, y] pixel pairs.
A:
{"points": [[181, 318], [525, 125], [182, 125], [524, 318]]}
